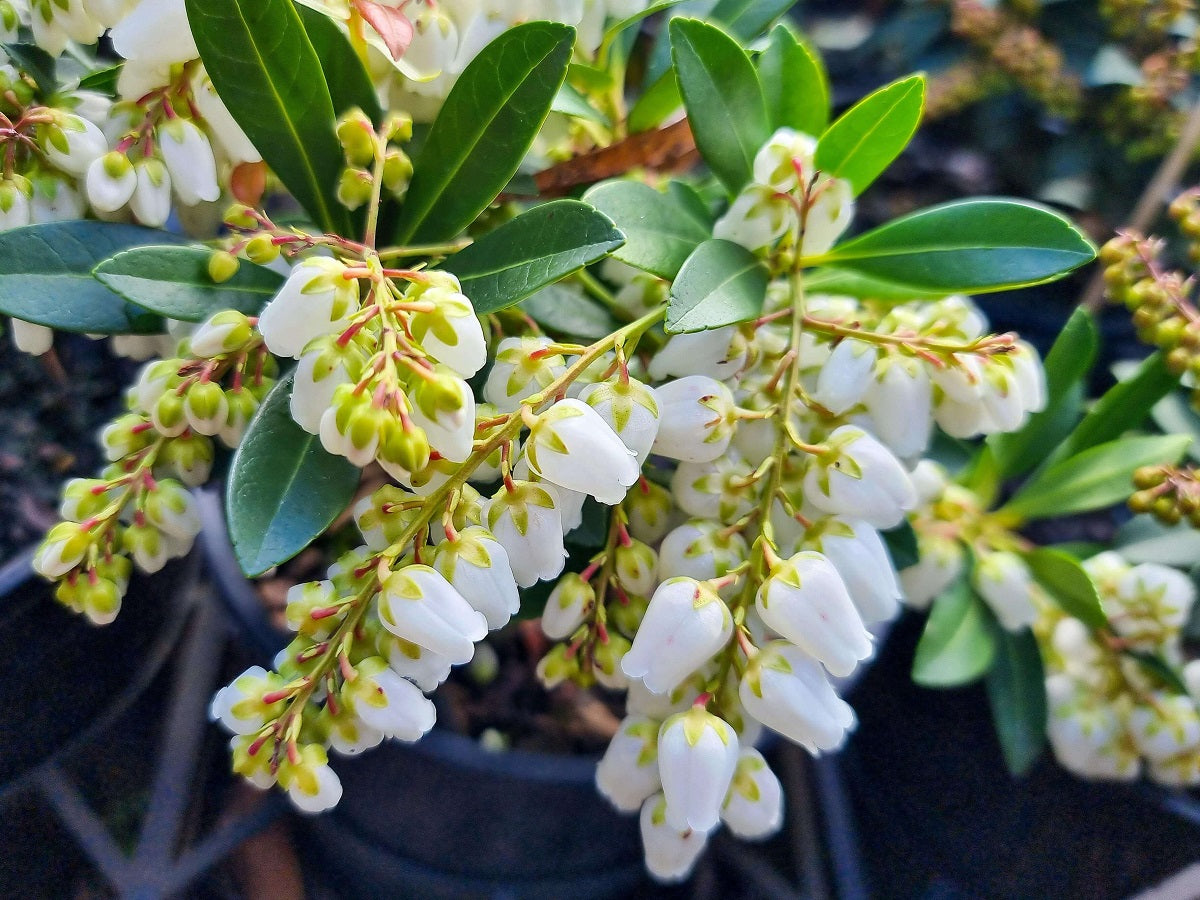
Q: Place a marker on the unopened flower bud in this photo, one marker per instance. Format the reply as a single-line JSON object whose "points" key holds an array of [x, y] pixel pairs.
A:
{"points": [[568, 604], [686, 623]]}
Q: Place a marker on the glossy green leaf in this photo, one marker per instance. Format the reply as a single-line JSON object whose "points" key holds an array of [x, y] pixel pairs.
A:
{"points": [[484, 130], [37, 64], [1067, 364], [660, 234], [721, 283], [569, 312], [724, 99], [1144, 539], [102, 81], [958, 644], [1017, 693], [968, 246], [830, 280], [657, 102], [690, 201], [1065, 580], [284, 489], [174, 282], [349, 83], [1122, 407], [794, 83], [746, 19], [46, 276], [867, 137], [266, 71], [1095, 478], [537, 248]]}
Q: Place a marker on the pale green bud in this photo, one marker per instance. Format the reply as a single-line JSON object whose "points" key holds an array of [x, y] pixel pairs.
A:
{"points": [[222, 266], [356, 133], [262, 250], [354, 187]]}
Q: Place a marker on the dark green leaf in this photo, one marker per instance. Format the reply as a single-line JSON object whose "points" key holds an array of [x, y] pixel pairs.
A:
{"points": [[284, 488], [867, 137], [901, 543], [484, 129], [969, 245], [174, 282], [721, 283], [1144, 539], [794, 84], [1123, 406], [46, 276], [1017, 692], [656, 103], [568, 312], [747, 19], [659, 233], [724, 99], [37, 64], [102, 81], [690, 201], [349, 83], [1066, 581], [830, 280], [535, 249], [1067, 363], [958, 644], [1098, 477], [264, 68]]}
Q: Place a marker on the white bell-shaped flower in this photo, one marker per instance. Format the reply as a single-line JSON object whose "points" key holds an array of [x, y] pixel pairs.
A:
{"points": [[31, 338], [630, 409], [718, 489], [311, 785], [419, 605], [939, 564], [696, 419], [157, 31], [317, 377], [846, 376], [756, 218], [685, 624], [445, 409], [526, 522], [701, 549], [805, 601], [420, 665], [81, 145], [571, 446], [451, 333], [719, 353], [697, 756], [477, 566], [151, 200], [110, 182], [1165, 727], [239, 705], [788, 691], [753, 807], [859, 479], [634, 566], [670, 852], [1153, 592], [899, 401], [566, 606], [189, 158], [228, 134], [628, 772], [1006, 584], [388, 703], [350, 736], [862, 559], [315, 300], [523, 367]]}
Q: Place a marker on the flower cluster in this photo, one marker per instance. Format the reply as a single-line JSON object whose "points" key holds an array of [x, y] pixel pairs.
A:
{"points": [[139, 508], [1110, 715]]}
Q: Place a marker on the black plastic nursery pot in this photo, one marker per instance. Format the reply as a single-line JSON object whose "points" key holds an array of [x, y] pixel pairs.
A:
{"points": [[66, 680], [444, 817]]}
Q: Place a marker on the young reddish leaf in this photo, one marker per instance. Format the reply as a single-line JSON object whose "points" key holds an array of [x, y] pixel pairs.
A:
{"points": [[391, 23]]}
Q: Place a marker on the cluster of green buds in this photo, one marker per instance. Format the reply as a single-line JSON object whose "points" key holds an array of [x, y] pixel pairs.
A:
{"points": [[375, 161], [1171, 494], [1163, 313], [1021, 52], [138, 512], [1145, 118]]}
